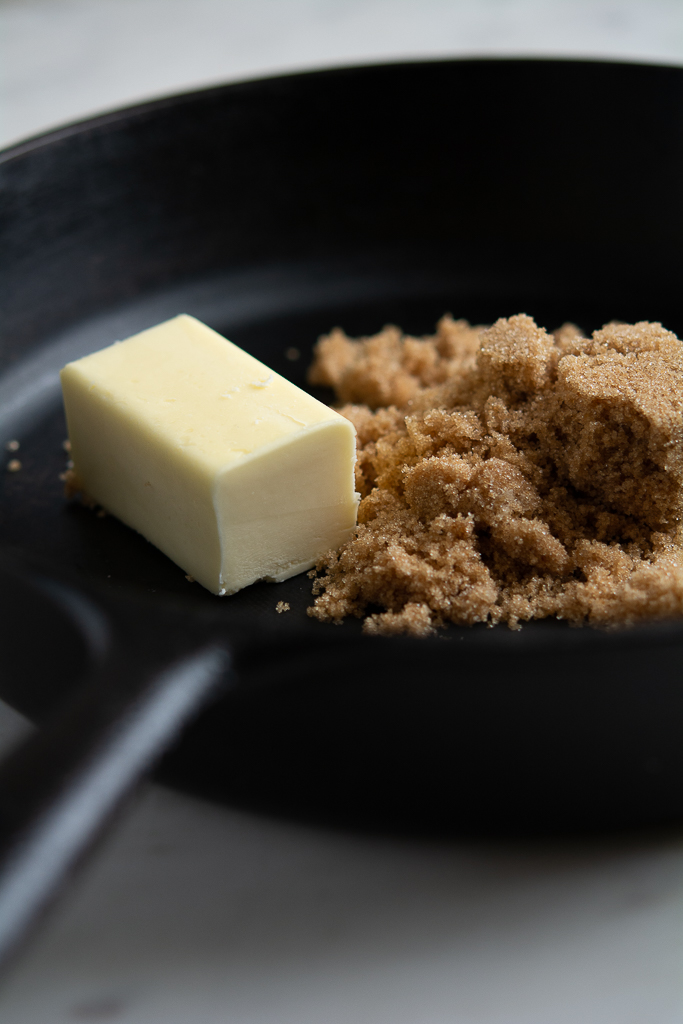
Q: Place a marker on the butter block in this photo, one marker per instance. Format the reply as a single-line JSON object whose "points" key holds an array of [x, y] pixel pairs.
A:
{"points": [[228, 468]]}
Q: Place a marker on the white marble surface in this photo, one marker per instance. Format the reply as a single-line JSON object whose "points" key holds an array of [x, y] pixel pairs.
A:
{"points": [[193, 914], [198, 914]]}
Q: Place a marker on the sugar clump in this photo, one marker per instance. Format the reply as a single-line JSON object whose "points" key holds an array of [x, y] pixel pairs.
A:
{"points": [[509, 474]]}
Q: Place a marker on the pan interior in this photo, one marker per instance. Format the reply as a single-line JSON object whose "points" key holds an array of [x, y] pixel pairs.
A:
{"points": [[269, 313], [364, 734]]}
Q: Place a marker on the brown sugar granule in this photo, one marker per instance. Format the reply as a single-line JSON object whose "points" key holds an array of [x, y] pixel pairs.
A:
{"points": [[282, 606], [73, 488], [508, 474], [13, 466]]}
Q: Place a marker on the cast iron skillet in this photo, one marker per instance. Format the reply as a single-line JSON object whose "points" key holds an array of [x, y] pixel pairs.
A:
{"points": [[274, 210]]}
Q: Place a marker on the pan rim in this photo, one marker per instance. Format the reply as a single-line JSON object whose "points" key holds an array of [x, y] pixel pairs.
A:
{"points": [[140, 109]]}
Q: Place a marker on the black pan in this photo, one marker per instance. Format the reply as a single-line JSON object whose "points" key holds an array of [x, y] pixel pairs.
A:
{"points": [[273, 211]]}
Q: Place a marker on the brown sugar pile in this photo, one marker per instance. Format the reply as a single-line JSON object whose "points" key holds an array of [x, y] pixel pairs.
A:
{"points": [[509, 474]]}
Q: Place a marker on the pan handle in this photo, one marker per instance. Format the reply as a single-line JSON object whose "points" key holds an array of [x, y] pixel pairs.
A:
{"points": [[59, 789]]}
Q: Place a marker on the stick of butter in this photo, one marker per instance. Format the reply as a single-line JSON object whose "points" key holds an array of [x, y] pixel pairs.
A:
{"points": [[228, 468]]}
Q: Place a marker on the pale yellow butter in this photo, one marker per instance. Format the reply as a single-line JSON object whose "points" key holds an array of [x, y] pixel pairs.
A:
{"points": [[228, 468]]}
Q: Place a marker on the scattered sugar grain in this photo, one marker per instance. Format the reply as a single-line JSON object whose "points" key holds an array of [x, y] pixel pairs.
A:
{"points": [[13, 466], [12, 446], [282, 606]]}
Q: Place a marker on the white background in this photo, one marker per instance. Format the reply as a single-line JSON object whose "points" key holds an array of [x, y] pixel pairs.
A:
{"points": [[195, 914]]}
